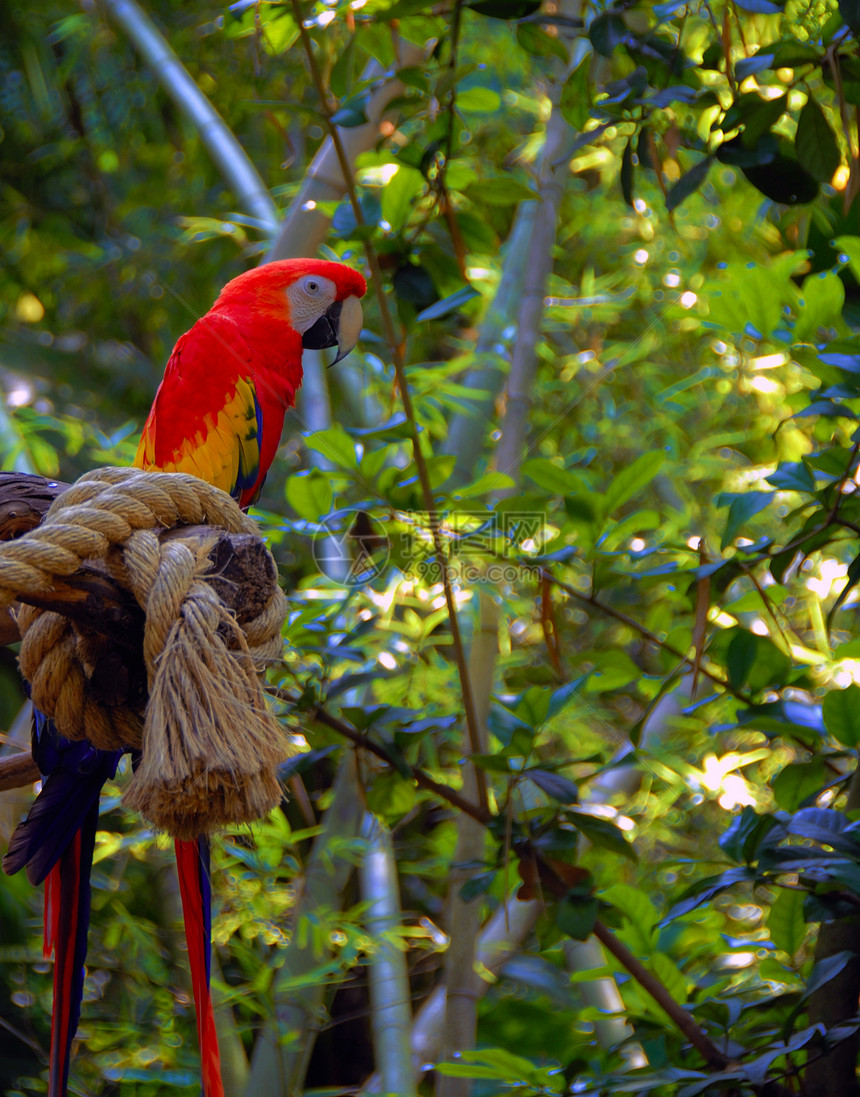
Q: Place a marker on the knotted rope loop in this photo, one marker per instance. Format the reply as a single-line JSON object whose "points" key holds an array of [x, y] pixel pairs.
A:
{"points": [[210, 746]]}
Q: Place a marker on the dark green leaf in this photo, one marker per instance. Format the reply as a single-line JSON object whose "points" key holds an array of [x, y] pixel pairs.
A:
{"points": [[745, 834], [505, 9], [626, 174], [607, 31], [815, 143], [575, 915], [783, 179], [554, 785], [827, 969], [792, 476], [688, 183]]}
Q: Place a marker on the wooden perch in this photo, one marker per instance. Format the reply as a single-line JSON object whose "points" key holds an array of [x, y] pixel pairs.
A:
{"points": [[102, 610]]}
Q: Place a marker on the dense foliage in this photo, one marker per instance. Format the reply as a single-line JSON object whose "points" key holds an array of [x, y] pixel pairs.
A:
{"points": [[655, 587]]}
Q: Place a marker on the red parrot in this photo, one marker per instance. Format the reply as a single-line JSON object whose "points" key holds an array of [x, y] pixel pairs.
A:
{"points": [[218, 414]]}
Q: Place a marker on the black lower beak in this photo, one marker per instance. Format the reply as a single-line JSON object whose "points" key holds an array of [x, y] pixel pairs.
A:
{"points": [[324, 332]]}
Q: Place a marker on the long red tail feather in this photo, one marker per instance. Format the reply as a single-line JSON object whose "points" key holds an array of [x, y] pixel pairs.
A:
{"points": [[67, 917], [192, 863]]}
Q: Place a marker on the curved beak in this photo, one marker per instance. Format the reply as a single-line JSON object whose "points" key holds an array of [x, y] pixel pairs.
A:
{"points": [[340, 327]]}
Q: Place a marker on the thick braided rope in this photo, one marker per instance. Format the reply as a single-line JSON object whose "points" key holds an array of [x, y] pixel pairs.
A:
{"points": [[206, 723]]}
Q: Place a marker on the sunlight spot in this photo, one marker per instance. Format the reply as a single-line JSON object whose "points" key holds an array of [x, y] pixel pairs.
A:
{"points": [[309, 205], [21, 395], [688, 299], [640, 256], [735, 793], [639, 205], [29, 309], [637, 544], [765, 385], [759, 627], [768, 361], [737, 959], [830, 571], [672, 279], [387, 660], [841, 177]]}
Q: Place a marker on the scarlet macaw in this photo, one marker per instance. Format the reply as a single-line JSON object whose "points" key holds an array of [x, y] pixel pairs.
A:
{"points": [[218, 414]]}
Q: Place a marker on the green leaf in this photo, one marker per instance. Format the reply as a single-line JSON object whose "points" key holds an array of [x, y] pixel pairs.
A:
{"points": [[755, 662], [841, 712], [600, 832], [552, 477], [479, 100], [449, 304], [399, 194], [575, 101], [815, 143], [484, 485], [823, 299], [500, 192], [632, 479], [310, 494], [335, 445], [635, 905], [785, 921], [540, 44], [742, 507], [797, 782]]}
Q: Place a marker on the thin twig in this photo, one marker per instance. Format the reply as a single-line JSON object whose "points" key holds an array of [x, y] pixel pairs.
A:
{"points": [[396, 346], [648, 981]]}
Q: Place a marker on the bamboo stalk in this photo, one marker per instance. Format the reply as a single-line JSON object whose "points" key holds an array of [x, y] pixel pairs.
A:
{"points": [[391, 1016], [278, 1066], [487, 375], [217, 137], [501, 937]]}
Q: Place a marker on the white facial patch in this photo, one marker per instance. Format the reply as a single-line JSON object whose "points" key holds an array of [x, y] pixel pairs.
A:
{"points": [[310, 298]]}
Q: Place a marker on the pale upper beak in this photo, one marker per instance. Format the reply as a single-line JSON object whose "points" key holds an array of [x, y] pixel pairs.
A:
{"points": [[339, 327]]}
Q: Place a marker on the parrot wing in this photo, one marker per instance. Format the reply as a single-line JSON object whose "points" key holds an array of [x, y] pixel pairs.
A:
{"points": [[207, 419]]}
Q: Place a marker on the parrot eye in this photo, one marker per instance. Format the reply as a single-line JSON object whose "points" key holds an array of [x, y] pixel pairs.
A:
{"points": [[312, 285]]}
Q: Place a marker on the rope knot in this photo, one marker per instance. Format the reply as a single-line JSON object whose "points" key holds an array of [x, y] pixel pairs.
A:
{"points": [[209, 746]]}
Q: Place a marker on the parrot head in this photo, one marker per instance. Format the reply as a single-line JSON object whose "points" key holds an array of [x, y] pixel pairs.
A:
{"points": [[317, 298]]}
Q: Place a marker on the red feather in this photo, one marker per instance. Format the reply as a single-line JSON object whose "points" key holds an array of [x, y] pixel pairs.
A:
{"points": [[193, 869]]}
